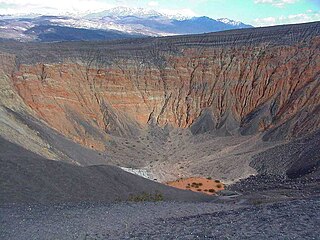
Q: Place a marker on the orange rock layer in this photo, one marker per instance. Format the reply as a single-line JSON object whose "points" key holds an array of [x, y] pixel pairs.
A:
{"points": [[273, 85]]}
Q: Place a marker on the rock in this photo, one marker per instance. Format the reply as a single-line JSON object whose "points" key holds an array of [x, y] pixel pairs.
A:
{"points": [[226, 89]]}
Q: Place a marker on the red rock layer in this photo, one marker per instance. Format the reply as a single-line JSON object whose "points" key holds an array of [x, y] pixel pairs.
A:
{"points": [[228, 80]]}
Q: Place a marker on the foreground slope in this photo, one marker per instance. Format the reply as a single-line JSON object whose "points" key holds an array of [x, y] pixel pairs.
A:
{"points": [[286, 220], [29, 178]]}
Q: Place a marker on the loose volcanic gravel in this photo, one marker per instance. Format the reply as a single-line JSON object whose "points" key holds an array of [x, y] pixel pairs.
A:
{"points": [[295, 220], [298, 219]]}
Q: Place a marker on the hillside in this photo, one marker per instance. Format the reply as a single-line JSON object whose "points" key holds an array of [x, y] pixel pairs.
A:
{"points": [[210, 105], [28, 178]]}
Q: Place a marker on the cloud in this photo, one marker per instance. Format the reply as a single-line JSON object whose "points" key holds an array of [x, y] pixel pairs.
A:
{"points": [[58, 7], [269, 21], [308, 16], [52, 7], [276, 3], [153, 4]]}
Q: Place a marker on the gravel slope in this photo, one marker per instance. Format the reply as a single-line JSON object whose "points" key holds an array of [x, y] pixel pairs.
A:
{"points": [[297, 219], [26, 177]]}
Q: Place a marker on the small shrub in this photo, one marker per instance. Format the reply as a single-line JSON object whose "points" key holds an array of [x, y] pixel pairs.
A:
{"points": [[217, 181], [219, 186], [146, 197], [206, 190], [158, 197], [211, 190], [209, 178], [199, 190]]}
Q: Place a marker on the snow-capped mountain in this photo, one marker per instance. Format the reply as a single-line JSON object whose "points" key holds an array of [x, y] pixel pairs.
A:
{"points": [[124, 12], [136, 12], [120, 22], [230, 22]]}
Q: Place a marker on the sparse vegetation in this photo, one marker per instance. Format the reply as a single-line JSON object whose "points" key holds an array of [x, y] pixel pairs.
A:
{"points": [[196, 185], [146, 197]]}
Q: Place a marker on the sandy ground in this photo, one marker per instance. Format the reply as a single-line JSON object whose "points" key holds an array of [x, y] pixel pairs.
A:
{"points": [[198, 184]]}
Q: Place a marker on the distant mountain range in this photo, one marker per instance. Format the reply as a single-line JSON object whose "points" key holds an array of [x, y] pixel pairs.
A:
{"points": [[115, 23]]}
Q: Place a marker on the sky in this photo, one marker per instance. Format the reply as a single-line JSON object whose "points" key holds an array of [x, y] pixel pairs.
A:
{"points": [[254, 12]]}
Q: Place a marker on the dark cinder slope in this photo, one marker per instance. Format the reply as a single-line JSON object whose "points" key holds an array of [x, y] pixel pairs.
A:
{"points": [[295, 159], [287, 220], [28, 178]]}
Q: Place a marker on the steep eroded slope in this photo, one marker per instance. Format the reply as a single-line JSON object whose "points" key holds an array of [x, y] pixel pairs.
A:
{"points": [[132, 99]]}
